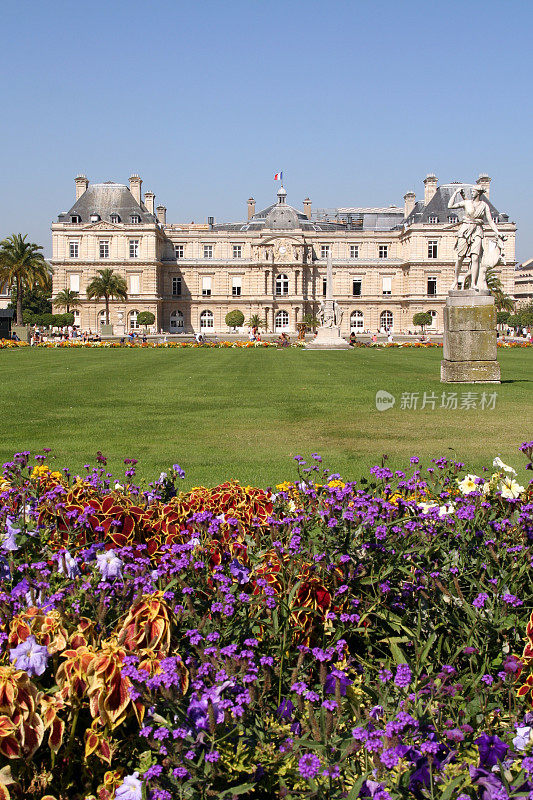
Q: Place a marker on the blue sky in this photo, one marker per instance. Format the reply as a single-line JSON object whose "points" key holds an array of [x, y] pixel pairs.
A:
{"points": [[355, 101]]}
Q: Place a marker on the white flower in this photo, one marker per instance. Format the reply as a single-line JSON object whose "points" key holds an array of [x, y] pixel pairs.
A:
{"points": [[486, 487], [426, 507], [444, 510], [510, 488], [468, 484], [118, 486], [501, 466]]}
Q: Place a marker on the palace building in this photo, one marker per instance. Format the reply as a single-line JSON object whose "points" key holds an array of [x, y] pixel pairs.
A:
{"points": [[388, 263]]}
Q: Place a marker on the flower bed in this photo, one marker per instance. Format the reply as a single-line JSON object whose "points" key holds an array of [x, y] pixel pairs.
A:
{"points": [[73, 343], [321, 639]]}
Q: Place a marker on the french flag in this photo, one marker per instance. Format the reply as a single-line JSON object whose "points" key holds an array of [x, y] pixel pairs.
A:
{"points": [[278, 176]]}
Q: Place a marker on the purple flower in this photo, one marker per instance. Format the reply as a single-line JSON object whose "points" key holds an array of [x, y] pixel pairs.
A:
{"points": [[285, 709], [213, 756], [403, 676], [109, 564], [384, 675], [331, 682], [30, 656], [9, 543], [308, 766], [130, 788], [491, 787], [239, 571], [480, 600], [491, 750]]}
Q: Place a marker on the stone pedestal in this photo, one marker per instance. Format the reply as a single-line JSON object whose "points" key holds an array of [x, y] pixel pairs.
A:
{"points": [[328, 339], [470, 352], [106, 330]]}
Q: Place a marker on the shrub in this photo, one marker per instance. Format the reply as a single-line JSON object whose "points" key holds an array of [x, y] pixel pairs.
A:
{"points": [[234, 319], [422, 318], [146, 318]]}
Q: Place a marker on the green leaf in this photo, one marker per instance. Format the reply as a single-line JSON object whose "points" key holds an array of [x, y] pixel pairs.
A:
{"points": [[243, 788]]}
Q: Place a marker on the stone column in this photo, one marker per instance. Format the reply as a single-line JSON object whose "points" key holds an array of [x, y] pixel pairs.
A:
{"points": [[469, 352]]}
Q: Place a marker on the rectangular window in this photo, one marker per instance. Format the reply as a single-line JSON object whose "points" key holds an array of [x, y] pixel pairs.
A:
{"points": [[432, 285], [236, 288], [383, 251], [237, 251], [104, 248], [134, 248], [73, 249], [387, 285], [135, 284], [324, 286], [324, 250], [356, 287], [432, 248], [206, 284], [179, 250], [176, 286], [74, 283], [208, 251], [354, 251]]}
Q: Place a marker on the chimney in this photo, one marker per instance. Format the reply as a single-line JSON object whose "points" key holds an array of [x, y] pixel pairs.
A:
{"points": [[484, 181], [162, 214], [251, 207], [409, 203], [81, 185], [307, 208], [149, 200], [135, 187], [430, 187]]}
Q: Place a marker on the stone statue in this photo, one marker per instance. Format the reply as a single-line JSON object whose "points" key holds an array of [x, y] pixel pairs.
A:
{"points": [[470, 237], [326, 315], [338, 312]]}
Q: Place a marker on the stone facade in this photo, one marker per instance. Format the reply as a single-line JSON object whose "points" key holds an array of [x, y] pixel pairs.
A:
{"points": [[388, 263], [524, 283]]}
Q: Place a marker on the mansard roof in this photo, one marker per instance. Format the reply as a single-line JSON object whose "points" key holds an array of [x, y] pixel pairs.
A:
{"points": [[106, 199], [438, 205]]}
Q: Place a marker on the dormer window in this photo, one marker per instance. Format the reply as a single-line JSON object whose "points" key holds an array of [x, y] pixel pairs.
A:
{"points": [[135, 218], [115, 218], [433, 220], [76, 219], [453, 219], [95, 217]]}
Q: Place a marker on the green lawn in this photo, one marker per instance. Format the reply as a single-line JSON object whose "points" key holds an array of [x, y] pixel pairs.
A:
{"points": [[245, 413]]}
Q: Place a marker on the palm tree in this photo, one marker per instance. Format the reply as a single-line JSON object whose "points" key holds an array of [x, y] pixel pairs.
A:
{"points": [[255, 321], [23, 266], [67, 299], [502, 301], [107, 284]]}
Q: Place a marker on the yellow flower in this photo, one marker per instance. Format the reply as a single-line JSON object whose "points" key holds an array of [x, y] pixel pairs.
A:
{"points": [[335, 484]]}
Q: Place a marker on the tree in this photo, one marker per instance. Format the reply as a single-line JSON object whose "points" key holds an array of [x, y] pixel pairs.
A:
{"points": [[234, 319], [502, 301], [502, 317], [310, 321], [514, 321], [67, 299], [23, 267], [107, 284], [255, 321], [422, 318], [145, 318]]}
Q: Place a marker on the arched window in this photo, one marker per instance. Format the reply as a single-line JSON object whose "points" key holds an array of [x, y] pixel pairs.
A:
{"points": [[356, 321], [132, 319], [281, 322], [176, 320], [386, 320], [282, 285], [115, 218], [102, 320], [433, 315], [206, 320]]}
